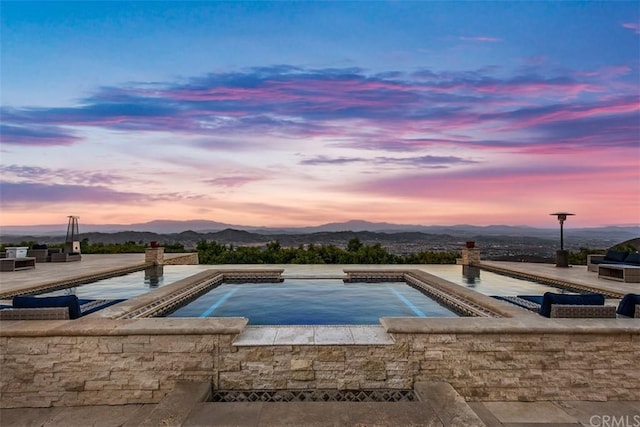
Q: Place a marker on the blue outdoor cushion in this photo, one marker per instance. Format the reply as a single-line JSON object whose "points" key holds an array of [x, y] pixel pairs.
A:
{"points": [[537, 299], [613, 255], [627, 306], [70, 301], [633, 258], [550, 298]]}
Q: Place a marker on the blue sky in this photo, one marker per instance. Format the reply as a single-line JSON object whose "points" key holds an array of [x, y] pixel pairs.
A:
{"points": [[297, 113]]}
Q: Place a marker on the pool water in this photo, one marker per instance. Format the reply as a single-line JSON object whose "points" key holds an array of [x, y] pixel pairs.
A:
{"points": [[314, 302], [131, 284], [488, 283]]}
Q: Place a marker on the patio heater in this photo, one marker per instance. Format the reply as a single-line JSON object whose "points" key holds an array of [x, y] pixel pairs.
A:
{"points": [[562, 256], [72, 242]]}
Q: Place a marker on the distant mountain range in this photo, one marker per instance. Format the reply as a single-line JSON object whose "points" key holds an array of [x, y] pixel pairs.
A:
{"points": [[164, 227]]}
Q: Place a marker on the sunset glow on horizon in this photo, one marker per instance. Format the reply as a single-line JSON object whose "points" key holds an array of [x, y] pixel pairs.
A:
{"points": [[304, 113]]}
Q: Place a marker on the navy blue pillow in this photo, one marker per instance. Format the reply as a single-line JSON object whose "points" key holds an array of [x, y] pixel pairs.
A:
{"points": [[70, 301], [633, 258], [627, 306], [613, 255], [550, 298]]}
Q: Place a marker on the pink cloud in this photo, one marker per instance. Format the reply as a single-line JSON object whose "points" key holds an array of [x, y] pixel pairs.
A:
{"points": [[531, 189], [618, 106], [232, 181]]}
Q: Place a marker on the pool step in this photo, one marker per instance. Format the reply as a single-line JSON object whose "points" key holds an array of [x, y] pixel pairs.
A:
{"points": [[176, 406], [450, 406]]}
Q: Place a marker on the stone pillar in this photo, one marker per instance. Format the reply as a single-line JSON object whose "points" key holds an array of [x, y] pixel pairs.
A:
{"points": [[470, 256], [154, 255]]}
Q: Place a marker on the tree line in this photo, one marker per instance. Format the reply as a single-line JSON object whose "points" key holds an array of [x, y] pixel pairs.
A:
{"points": [[356, 252]]}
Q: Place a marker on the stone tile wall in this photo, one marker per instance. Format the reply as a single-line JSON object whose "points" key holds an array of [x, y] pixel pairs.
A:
{"points": [[88, 368]]}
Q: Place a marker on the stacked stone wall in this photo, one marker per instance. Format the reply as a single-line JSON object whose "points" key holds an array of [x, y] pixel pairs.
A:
{"points": [[86, 369]]}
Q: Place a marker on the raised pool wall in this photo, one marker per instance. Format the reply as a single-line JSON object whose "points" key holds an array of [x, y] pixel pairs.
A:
{"points": [[99, 360], [102, 362]]}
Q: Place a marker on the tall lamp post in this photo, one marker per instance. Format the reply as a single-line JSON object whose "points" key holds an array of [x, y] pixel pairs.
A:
{"points": [[562, 256]]}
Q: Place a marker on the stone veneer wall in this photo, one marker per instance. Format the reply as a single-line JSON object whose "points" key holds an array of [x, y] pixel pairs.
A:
{"points": [[139, 361]]}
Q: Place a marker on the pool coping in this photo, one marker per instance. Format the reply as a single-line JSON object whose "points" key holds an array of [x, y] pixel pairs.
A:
{"points": [[391, 325]]}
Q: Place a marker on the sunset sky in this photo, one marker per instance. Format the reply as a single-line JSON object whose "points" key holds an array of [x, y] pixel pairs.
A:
{"points": [[303, 113]]}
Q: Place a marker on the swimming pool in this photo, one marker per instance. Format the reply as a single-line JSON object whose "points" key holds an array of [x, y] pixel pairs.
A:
{"points": [[314, 302], [130, 285]]}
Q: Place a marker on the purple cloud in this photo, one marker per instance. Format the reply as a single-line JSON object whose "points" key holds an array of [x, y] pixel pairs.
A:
{"points": [[422, 161], [56, 193], [36, 135], [38, 174], [231, 181], [326, 160], [24, 192], [343, 104]]}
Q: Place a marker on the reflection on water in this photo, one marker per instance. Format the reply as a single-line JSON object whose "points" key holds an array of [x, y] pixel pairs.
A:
{"points": [[153, 276], [471, 274], [132, 284]]}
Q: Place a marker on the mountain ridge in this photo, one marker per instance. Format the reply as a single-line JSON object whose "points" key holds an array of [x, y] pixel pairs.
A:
{"points": [[164, 226]]}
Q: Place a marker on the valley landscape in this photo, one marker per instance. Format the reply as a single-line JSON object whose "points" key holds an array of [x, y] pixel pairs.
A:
{"points": [[496, 242]]}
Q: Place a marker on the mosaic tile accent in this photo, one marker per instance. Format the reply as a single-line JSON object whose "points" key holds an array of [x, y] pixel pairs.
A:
{"points": [[170, 302], [456, 303], [314, 396]]}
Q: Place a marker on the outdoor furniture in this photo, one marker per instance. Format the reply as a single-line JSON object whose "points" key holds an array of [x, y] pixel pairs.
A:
{"points": [[621, 273], [566, 305], [70, 302], [65, 257], [52, 308], [613, 257], [39, 254], [629, 305], [582, 311], [42, 254], [16, 251], [13, 264], [44, 313]]}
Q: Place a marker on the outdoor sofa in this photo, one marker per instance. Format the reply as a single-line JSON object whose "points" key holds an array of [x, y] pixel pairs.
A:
{"points": [[42, 253], [613, 257], [566, 305], [66, 257], [52, 308]]}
